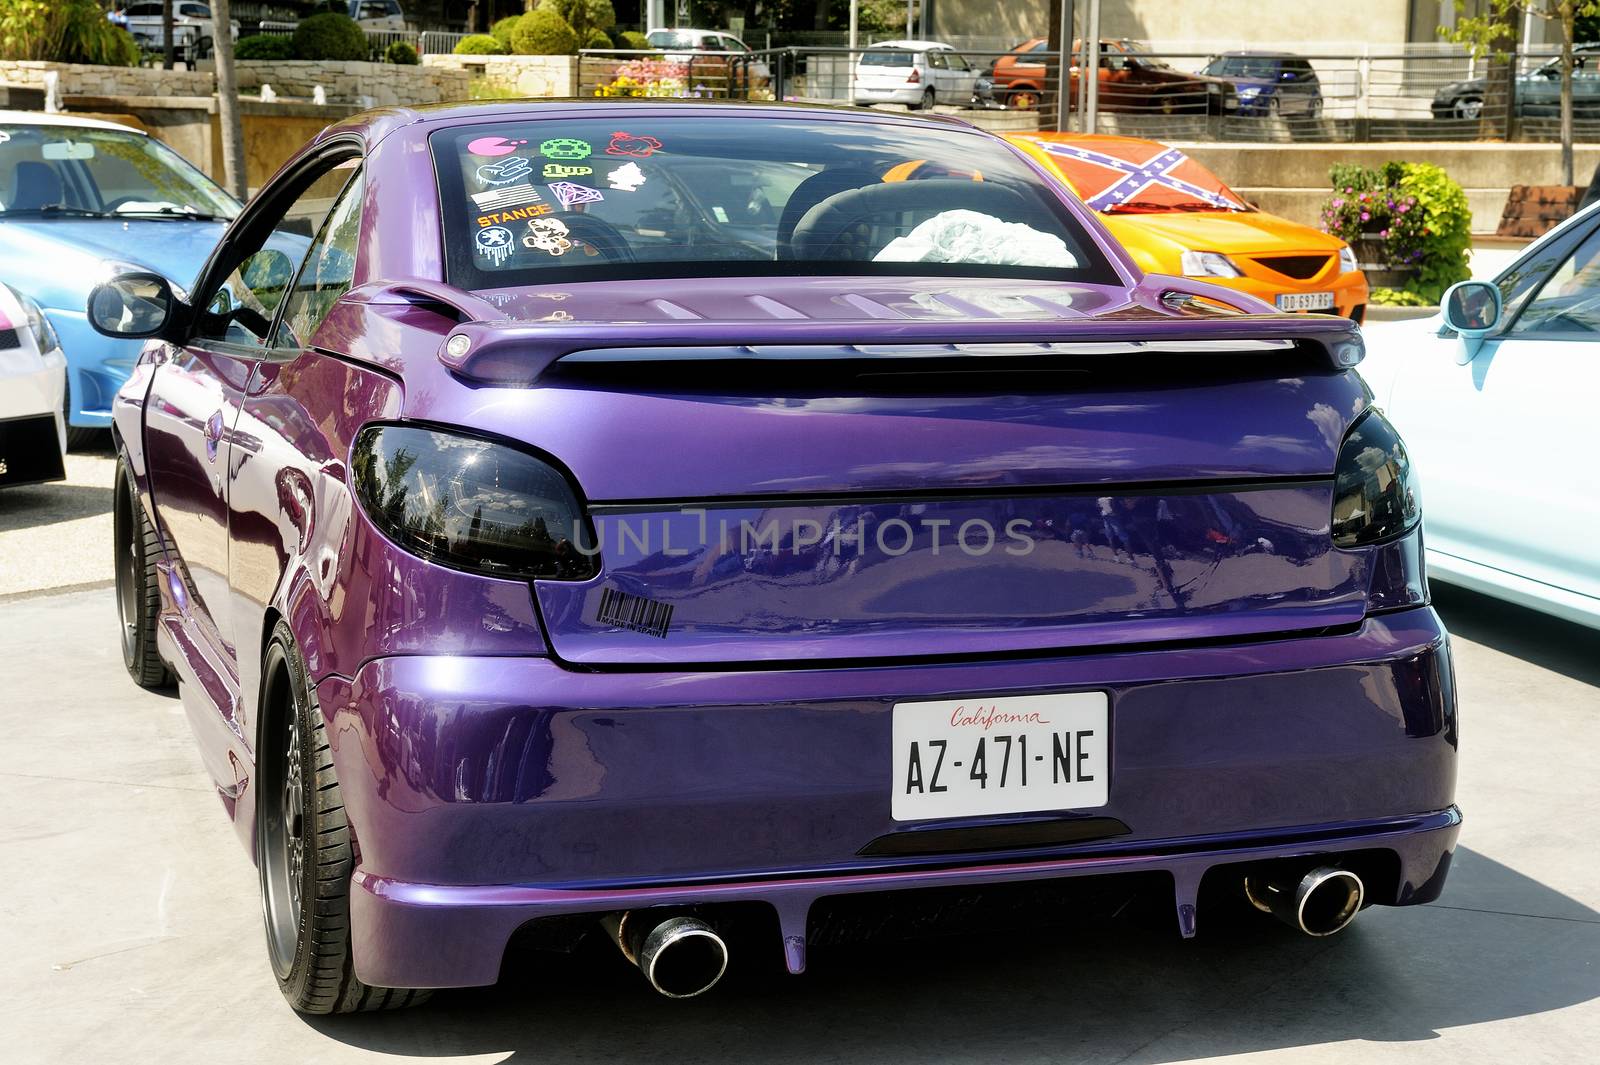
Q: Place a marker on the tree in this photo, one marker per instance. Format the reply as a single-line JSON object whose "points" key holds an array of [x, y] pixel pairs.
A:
{"points": [[233, 169], [1498, 23]]}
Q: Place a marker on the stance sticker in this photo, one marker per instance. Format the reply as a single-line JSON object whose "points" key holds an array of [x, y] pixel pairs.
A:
{"points": [[547, 234], [627, 177], [515, 214], [489, 147], [565, 148], [504, 171], [557, 170], [496, 244], [628, 144], [512, 197], [569, 194]]}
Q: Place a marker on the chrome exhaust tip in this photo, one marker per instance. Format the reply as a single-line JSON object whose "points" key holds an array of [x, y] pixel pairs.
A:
{"points": [[1320, 903], [680, 956]]}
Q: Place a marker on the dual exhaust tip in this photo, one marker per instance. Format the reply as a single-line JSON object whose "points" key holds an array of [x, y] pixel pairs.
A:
{"points": [[1320, 903], [681, 956]]}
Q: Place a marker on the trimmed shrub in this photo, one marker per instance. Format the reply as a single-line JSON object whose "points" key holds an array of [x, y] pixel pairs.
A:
{"points": [[584, 16], [330, 36], [543, 32], [478, 44], [263, 46], [597, 38], [632, 39], [401, 53], [502, 30]]}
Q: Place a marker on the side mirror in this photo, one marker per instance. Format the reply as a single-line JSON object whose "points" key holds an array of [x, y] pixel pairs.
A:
{"points": [[131, 306], [1472, 309]]}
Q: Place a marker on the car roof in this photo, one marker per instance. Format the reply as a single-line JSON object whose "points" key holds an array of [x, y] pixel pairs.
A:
{"points": [[913, 46], [40, 118]]}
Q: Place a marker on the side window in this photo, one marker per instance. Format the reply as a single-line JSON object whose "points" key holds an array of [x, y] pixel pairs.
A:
{"points": [[959, 62], [1569, 300], [328, 271], [241, 310], [937, 60]]}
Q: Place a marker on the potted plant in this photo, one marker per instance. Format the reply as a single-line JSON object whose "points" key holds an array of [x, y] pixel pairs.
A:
{"points": [[1408, 224]]}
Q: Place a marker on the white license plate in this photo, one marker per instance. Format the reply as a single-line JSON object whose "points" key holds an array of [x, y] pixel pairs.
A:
{"points": [[970, 757], [1305, 301]]}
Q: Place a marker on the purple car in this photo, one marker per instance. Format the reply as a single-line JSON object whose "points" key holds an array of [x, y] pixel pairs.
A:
{"points": [[699, 524]]}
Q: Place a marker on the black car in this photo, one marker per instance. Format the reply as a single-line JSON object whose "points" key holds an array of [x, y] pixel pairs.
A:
{"points": [[1537, 94]]}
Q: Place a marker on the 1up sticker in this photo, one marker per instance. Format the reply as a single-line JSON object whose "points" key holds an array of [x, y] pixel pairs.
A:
{"points": [[496, 244]]}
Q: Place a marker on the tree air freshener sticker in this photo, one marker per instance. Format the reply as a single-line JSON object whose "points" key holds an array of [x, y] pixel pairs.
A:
{"points": [[630, 144], [626, 178], [564, 148], [496, 245]]}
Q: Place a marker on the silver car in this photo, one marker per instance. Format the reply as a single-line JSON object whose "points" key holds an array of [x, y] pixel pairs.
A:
{"points": [[918, 74]]}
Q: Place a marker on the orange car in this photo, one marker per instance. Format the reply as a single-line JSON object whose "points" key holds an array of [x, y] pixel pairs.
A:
{"points": [[1176, 217]]}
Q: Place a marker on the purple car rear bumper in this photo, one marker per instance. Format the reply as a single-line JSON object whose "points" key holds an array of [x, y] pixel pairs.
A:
{"points": [[489, 792]]}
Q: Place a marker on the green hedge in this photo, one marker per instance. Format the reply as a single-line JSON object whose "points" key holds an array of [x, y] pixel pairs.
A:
{"points": [[402, 54], [479, 44], [502, 30], [263, 46], [543, 32], [330, 36]]}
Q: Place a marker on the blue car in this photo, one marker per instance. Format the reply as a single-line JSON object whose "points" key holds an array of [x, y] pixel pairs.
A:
{"points": [[80, 201], [1270, 83]]}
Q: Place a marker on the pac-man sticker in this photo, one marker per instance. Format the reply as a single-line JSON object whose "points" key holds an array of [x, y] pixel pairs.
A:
{"points": [[507, 171], [565, 148], [631, 144], [569, 194], [496, 244], [626, 178], [561, 170], [490, 147], [547, 234]]}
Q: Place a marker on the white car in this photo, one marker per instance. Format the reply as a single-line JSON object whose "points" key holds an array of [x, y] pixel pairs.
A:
{"points": [[681, 45], [1496, 399], [193, 30], [385, 15], [33, 382], [918, 74]]}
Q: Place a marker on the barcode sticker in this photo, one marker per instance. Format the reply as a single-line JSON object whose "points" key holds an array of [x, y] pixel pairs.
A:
{"points": [[634, 612]]}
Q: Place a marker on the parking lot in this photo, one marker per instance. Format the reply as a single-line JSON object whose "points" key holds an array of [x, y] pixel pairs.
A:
{"points": [[132, 930]]}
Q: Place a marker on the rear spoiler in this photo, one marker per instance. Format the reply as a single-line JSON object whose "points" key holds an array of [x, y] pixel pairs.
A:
{"points": [[502, 351]]}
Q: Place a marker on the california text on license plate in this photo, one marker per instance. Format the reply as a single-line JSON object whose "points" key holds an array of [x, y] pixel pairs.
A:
{"points": [[969, 757], [1305, 301]]}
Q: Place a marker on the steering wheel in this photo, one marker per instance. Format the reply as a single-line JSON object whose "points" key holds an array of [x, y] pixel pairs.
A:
{"points": [[600, 235], [823, 225], [812, 191]]}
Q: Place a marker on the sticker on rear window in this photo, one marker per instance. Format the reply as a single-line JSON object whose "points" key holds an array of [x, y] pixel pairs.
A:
{"points": [[635, 612], [569, 194], [561, 148], [629, 144], [558, 170], [506, 171], [547, 234], [489, 147], [496, 244], [626, 178], [515, 196]]}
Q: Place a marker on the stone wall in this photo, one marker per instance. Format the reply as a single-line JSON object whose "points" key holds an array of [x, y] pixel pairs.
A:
{"points": [[81, 79], [518, 75], [370, 84]]}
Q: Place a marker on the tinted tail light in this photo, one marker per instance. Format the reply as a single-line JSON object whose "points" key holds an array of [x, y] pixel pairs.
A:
{"points": [[1374, 490], [472, 504]]}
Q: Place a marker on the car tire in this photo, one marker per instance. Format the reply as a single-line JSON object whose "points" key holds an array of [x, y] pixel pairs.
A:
{"points": [[1468, 107], [303, 848], [1023, 99], [929, 98], [135, 548]]}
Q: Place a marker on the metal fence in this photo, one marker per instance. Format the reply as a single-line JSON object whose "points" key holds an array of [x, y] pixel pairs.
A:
{"points": [[1420, 93], [378, 41]]}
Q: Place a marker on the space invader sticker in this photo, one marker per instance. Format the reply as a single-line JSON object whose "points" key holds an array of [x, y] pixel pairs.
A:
{"points": [[569, 193], [565, 148]]}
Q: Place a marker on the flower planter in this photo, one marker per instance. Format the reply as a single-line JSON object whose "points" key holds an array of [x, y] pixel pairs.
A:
{"points": [[1372, 256]]}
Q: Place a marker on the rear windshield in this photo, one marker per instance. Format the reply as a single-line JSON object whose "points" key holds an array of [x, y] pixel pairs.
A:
{"points": [[680, 196], [888, 57], [670, 39], [1243, 66]]}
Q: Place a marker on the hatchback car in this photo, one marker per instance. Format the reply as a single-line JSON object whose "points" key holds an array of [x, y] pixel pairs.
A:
{"points": [[1176, 217], [549, 573], [1537, 93], [1130, 80], [1270, 83], [1496, 395], [918, 74], [81, 199], [194, 31]]}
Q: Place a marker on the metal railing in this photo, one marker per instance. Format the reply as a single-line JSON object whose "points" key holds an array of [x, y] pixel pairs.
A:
{"points": [[438, 42], [378, 41]]}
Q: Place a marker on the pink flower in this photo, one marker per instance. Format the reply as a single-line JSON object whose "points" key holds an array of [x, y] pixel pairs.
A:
{"points": [[1403, 208], [1365, 216], [1383, 232], [1338, 203]]}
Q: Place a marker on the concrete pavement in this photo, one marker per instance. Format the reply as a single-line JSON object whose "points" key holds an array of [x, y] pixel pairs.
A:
{"points": [[131, 932]]}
